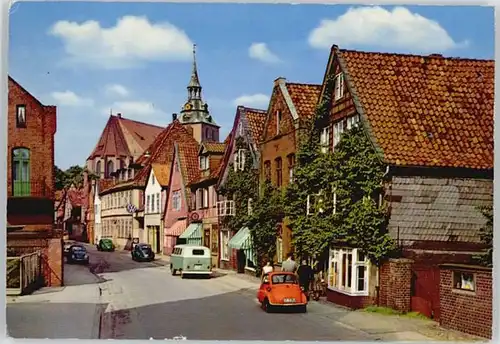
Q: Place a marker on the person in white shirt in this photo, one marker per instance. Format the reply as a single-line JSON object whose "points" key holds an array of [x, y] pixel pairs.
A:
{"points": [[268, 268]]}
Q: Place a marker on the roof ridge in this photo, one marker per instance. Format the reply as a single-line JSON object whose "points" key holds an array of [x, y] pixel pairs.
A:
{"points": [[302, 83], [138, 122], [252, 109], [436, 55]]}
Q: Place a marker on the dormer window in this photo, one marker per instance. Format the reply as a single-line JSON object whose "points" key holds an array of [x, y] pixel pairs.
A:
{"points": [[339, 86], [203, 163], [21, 116], [278, 121]]}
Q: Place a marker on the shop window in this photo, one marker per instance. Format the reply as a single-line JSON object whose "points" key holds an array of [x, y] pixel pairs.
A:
{"points": [[464, 281]]}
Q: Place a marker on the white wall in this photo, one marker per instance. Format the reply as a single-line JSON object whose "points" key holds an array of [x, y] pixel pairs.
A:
{"points": [[152, 188]]}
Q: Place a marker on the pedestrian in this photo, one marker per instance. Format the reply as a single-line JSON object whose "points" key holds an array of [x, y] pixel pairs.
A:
{"points": [[306, 276], [289, 264], [268, 268]]}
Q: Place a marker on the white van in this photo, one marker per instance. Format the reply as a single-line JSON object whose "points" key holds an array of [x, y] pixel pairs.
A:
{"points": [[191, 259]]}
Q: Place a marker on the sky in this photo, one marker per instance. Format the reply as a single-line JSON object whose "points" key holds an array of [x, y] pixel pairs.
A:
{"points": [[90, 58]]}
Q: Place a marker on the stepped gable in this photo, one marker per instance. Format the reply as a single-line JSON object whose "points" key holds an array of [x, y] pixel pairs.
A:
{"points": [[162, 149], [120, 134], [424, 110]]}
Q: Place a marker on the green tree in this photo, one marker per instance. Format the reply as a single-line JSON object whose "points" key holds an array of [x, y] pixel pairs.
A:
{"points": [[486, 233], [263, 222], [60, 176]]}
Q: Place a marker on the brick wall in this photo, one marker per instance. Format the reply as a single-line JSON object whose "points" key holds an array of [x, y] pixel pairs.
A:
{"points": [[354, 302], [51, 246], [469, 312], [395, 284], [38, 137]]}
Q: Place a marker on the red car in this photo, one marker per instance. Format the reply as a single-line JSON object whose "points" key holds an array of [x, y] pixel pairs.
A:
{"points": [[281, 289]]}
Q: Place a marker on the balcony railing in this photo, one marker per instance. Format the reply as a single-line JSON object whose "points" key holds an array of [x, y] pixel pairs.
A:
{"points": [[30, 189]]}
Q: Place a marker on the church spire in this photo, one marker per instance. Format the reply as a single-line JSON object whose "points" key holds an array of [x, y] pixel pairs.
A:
{"points": [[194, 87]]}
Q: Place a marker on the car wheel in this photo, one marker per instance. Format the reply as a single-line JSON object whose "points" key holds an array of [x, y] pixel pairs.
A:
{"points": [[266, 306]]}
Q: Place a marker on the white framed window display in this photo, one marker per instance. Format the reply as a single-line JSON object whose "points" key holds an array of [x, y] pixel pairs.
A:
{"points": [[224, 239], [348, 271]]}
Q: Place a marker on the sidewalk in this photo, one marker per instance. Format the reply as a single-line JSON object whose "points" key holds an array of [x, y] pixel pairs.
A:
{"points": [[379, 326]]}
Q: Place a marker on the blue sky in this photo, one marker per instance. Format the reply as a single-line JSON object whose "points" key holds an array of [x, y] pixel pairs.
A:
{"points": [[135, 58]]}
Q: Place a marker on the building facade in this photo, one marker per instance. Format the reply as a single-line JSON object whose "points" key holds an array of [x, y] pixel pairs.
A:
{"points": [[290, 106], [154, 205], [30, 181], [247, 128], [439, 172]]}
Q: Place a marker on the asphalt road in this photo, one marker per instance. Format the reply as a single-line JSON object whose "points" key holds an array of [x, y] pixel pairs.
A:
{"points": [[145, 301]]}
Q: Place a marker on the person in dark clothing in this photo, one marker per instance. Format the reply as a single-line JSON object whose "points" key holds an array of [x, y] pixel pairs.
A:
{"points": [[306, 275]]}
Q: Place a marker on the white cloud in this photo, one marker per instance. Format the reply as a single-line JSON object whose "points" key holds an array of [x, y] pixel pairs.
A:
{"points": [[377, 26], [260, 51], [255, 100], [69, 98], [132, 40], [132, 109], [117, 90]]}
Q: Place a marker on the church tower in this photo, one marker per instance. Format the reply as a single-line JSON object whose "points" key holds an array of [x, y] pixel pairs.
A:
{"points": [[195, 114]]}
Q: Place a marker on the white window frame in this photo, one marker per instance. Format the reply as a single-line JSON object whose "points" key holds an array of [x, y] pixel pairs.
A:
{"points": [[148, 203], [334, 202], [339, 86], [21, 114], [205, 198], [311, 203], [335, 268], [225, 208], [324, 139], [352, 121], [203, 160], [279, 250], [338, 130], [459, 283], [176, 200], [158, 202], [152, 203], [224, 239], [241, 159], [240, 129]]}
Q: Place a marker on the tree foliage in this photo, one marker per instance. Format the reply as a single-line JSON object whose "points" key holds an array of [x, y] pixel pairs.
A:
{"points": [[73, 175], [342, 189], [486, 233]]}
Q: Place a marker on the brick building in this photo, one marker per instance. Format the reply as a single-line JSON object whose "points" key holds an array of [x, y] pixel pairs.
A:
{"points": [[122, 141], [248, 126], [290, 106], [31, 179], [431, 120]]}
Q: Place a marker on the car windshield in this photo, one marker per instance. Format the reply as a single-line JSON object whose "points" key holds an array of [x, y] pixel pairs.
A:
{"points": [[284, 279], [106, 241], [78, 248], [144, 247]]}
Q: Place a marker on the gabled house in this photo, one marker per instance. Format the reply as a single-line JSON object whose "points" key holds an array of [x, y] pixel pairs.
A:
{"points": [[71, 207], [290, 106], [31, 181], [183, 171], [247, 130], [121, 143], [203, 228], [155, 195], [430, 118]]}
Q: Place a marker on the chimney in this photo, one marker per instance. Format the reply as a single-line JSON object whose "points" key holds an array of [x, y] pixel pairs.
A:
{"points": [[280, 81], [174, 117], [119, 115]]}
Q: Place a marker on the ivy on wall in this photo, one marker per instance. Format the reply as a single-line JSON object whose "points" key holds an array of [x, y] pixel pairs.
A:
{"points": [[486, 234], [342, 191]]}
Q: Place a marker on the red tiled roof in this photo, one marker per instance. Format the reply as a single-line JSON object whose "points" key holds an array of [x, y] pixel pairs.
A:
{"points": [[214, 147], [304, 97], [119, 130], [162, 148], [425, 110], [75, 197], [256, 120]]}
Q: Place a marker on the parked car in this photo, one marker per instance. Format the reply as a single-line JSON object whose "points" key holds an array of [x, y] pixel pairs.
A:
{"points": [[191, 260], [142, 252], [281, 289], [67, 245], [105, 245], [78, 254]]}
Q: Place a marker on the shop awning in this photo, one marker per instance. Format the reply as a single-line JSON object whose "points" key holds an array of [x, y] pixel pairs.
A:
{"points": [[176, 229], [241, 240], [193, 231]]}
